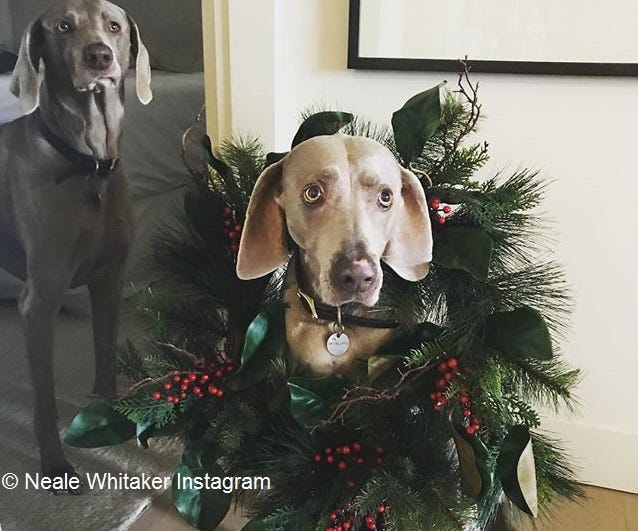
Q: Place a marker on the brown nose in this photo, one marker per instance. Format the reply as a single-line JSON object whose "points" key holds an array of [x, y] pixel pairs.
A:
{"points": [[98, 56], [353, 276]]}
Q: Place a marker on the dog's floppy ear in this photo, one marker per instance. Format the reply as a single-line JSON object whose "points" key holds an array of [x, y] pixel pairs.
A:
{"points": [[409, 251], [142, 64], [27, 77], [263, 242]]}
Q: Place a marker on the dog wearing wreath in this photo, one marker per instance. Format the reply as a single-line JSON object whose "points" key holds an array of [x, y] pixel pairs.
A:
{"points": [[347, 205]]}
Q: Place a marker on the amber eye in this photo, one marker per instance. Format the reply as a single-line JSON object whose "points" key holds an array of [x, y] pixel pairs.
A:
{"points": [[63, 27], [114, 27], [312, 194], [385, 198]]}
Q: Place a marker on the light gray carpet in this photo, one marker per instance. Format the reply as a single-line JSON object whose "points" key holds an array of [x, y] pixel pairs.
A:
{"points": [[22, 510]]}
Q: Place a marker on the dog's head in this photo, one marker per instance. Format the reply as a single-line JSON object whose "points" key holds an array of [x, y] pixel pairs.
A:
{"points": [[347, 204], [84, 45]]}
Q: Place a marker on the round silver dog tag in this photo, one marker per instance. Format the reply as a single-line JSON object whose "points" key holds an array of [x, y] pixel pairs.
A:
{"points": [[338, 344]]}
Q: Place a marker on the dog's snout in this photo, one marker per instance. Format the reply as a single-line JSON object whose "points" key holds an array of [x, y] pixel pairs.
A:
{"points": [[354, 276], [98, 56]]}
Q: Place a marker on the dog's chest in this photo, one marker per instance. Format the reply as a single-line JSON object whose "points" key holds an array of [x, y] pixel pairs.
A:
{"points": [[307, 339]]}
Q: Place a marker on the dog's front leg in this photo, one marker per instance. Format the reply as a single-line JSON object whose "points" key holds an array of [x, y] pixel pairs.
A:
{"points": [[39, 305], [106, 294]]}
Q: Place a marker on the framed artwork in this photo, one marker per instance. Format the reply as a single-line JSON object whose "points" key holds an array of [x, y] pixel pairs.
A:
{"points": [[569, 37]]}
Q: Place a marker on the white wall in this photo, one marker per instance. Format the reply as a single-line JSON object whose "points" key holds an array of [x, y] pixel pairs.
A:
{"points": [[580, 131]]}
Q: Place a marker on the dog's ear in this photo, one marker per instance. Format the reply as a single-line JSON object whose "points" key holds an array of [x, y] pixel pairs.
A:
{"points": [[27, 75], [409, 251], [142, 64], [263, 242]]}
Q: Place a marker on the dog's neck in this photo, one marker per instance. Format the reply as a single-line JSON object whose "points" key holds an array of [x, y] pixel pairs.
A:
{"points": [[90, 123]]}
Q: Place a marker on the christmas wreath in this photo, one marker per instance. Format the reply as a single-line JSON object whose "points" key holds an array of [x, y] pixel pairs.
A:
{"points": [[440, 425]]}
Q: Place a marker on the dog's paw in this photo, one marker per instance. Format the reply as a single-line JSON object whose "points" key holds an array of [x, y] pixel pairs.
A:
{"points": [[63, 478]]}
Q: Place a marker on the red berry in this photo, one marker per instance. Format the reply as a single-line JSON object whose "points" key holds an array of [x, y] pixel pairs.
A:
{"points": [[169, 399], [177, 378], [433, 396], [237, 228], [442, 366], [175, 400], [168, 386], [471, 430], [330, 528], [438, 407], [339, 450], [467, 413], [204, 378], [197, 391], [351, 484], [441, 382], [440, 220], [342, 465], [476, 422], [448, 376], [435, 203], [356, 446], [228, 211], [327, 451], [330, 459], [369, 519], [346, 525], [156, 395], [447, 209], [345, 450], [183, 394], [220, 393], [219, 374], [359, 460], [184, 386], [192, 376], [317, 458], [381, 509], [464, 399], [231, 235], [212, 389], [333, 516], [452, 363]]}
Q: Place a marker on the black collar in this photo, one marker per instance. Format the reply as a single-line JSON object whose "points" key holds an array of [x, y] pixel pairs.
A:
{"points": [[325, 312], [93, 166]]}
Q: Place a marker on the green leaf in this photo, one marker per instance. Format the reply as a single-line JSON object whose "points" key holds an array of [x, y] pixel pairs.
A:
{"points": [[466, 248], [201, 507], [273, 158], [309, 397], [415, 123], [321, 123], [98, 424], [147, 430], [476, 476], [517, 471], [265, 340], [219, 165], [520, 333], [401, 344]]}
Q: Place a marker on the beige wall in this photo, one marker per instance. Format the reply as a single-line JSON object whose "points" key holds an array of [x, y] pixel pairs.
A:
{"points": [[289, 54]]}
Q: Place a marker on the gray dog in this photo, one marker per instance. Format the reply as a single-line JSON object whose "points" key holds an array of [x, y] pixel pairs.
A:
{"points": [[65, 206]]}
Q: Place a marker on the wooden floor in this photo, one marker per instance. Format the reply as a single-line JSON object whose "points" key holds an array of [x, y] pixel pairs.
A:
{"points": [[602, 510]]}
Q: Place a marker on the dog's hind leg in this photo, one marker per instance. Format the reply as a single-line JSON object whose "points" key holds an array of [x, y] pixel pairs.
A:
{"points": [[39, 305], [106, 293]]}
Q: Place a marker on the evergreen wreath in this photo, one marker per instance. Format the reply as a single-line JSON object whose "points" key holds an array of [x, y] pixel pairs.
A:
{"points": [[443, 422]]}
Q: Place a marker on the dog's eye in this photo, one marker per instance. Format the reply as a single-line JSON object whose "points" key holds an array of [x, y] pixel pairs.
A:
{"points": [[114, 27], [385, 198], [312, 194], [63, 27]]}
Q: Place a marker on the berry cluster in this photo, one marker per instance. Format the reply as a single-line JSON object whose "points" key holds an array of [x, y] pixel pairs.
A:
{"points": [[232, 228], [343, 519], [354, 459], [441, 210], [448, 370], [205, 381]]}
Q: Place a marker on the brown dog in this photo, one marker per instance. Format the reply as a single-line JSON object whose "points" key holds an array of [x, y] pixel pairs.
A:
{"points": [[347, 204]]}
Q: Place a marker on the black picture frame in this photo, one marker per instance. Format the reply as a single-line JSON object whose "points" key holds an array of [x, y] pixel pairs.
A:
{"points": [[356, 61]]}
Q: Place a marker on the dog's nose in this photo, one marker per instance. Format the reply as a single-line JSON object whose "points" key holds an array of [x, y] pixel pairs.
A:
{"points": [[356, 276], [98, 56]]}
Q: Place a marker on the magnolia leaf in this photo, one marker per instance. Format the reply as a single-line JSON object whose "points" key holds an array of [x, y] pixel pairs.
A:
{"points": [[517, 471], [98, 424], [265, 340], [476, 476], [415, 123], [321, 123], [218, 165], [466, 248], [273, 158], [309, 397], [203, 508], [520, 333], [148, 430], [399, 345]]}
